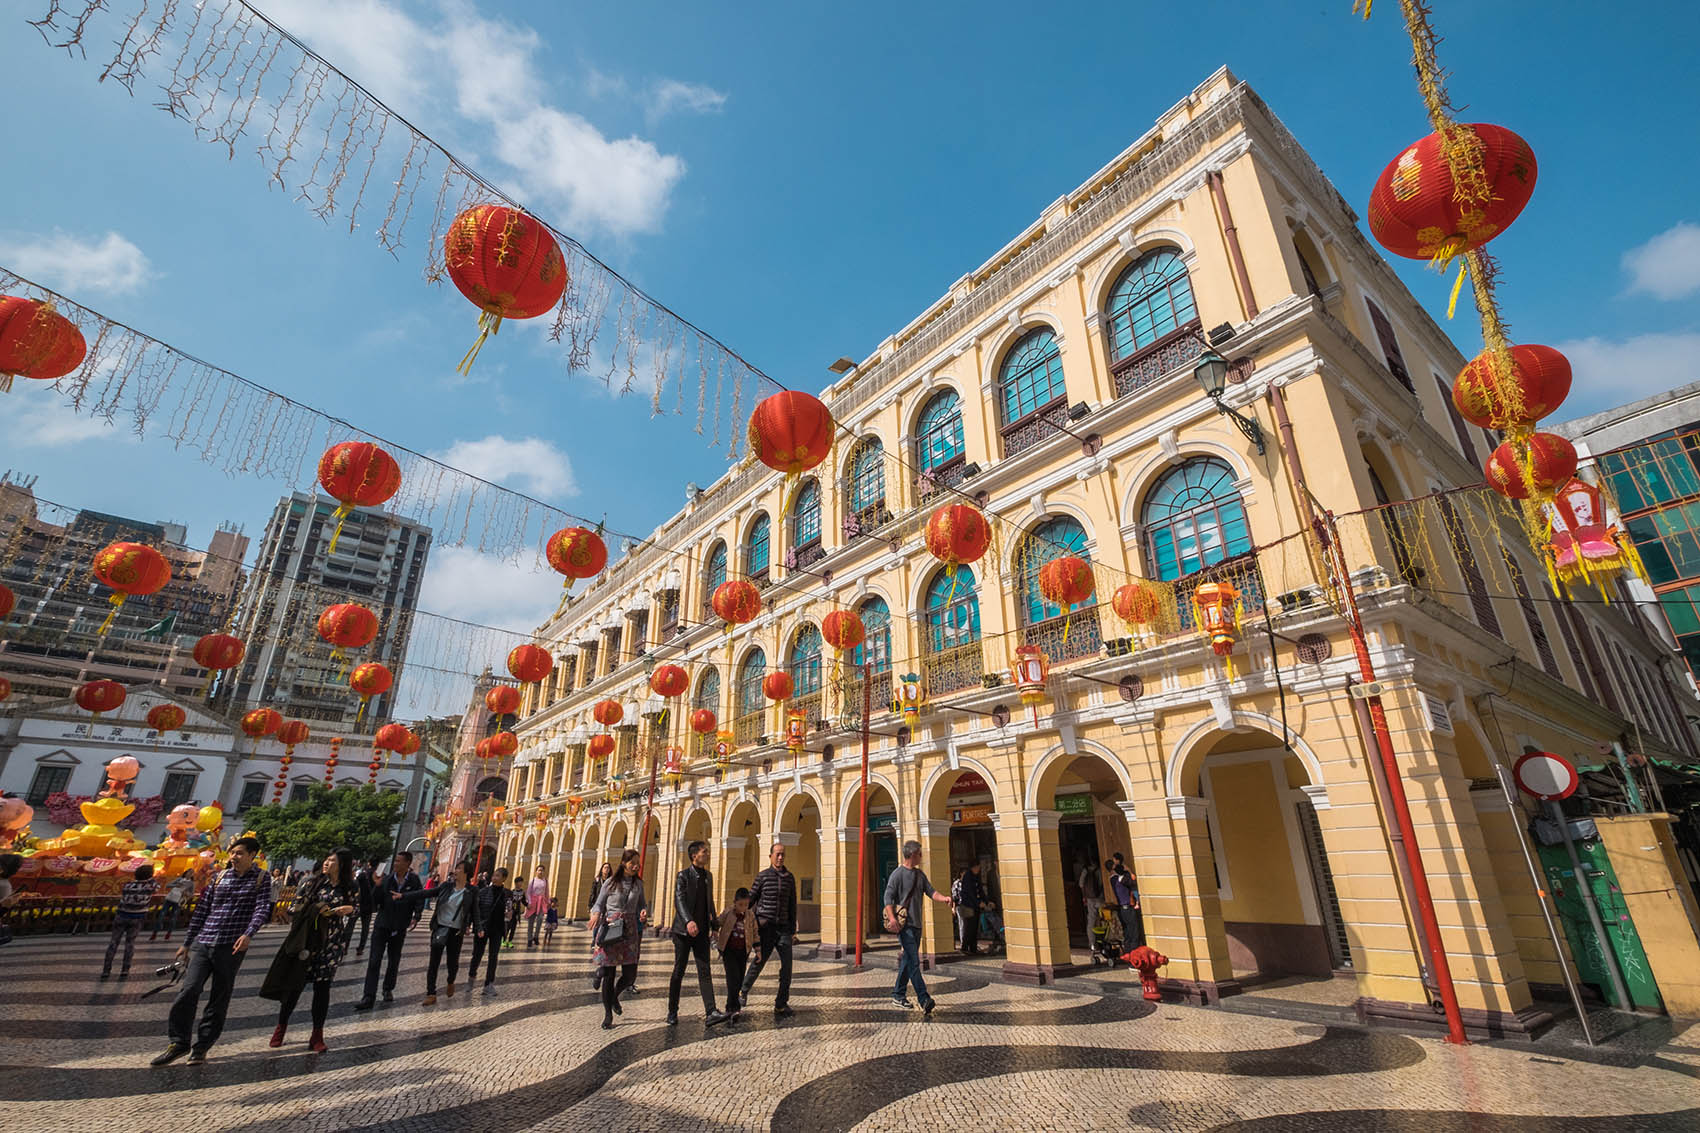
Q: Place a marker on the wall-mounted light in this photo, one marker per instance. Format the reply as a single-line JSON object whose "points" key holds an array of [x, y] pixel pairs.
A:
{"points": [[1211, 371]]}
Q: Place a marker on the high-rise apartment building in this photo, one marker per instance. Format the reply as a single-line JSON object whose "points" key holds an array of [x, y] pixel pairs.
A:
{"points": [[379, 563]]}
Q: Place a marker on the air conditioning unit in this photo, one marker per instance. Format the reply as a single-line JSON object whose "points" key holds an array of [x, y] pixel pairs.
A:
{"points": [[1371, 577], [1300, 599]]}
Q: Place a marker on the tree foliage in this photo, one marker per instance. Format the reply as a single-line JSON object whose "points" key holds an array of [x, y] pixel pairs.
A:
{"points": [[361, 818]]}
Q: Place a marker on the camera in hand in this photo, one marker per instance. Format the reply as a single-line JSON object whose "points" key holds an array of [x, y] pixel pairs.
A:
{"points": [[172, 971]]}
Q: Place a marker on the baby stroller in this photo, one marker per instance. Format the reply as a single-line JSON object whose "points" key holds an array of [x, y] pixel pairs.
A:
{"points": [[1106, 938]]}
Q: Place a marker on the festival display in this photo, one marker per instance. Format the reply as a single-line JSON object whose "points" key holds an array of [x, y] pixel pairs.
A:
{"points": [[1029, 674], [791, 432], [600, 747], [260, 723], [736, 602], [607, 713], [673, 768], [503, 744], [703, 721], [908, 699], [36, 341], [1536, 468], [356, 474], [1582, 545], [218, 653], [503, 700], [5, 690], [796, 731], [958, 534], [291, 733], [164, 718], [345, 626], [132, 570], [843, 630], [507, 264], [1537, 384], [7, 601], [99, 696], [529, 664], [669, 681], [368, 680], [1216, 610], [1139, 605], [576, 553]]}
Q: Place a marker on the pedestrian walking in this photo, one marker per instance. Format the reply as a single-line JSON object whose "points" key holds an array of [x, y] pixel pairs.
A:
{"points": [[536, 907], [1126, 892], [693, 921], [321, 921], [773, 898], [1091, 882], [455, 904], [516, 909], [969, 893], [177, 893], [231, 909], [616, 927], [133, 901], [737, 929], [596, 884], [906, 891], [489, 921], [367, 882], [551, 920], [397, 901]]}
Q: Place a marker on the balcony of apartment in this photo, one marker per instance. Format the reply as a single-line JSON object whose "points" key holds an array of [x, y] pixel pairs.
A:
{"points": [[1175, 351], [936, 481], [949, 670], [749, 727], [1068, 637], [805, 556]]}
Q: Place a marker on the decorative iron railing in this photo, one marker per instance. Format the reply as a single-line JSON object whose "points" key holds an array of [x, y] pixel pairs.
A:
{"points": [[1066, 638], [1036, 429], [1178, 349], [1241, 572], [951, 669]]}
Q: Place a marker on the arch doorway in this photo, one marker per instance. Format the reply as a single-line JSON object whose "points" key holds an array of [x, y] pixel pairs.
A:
{"points": [[1085, 792], [884, 834], [799, 828], [589, 864], [561, 869], [743, 855], [964, 801]]}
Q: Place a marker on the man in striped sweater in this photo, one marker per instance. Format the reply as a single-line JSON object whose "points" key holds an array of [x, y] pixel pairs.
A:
{"points": [[133, 902], [773, 898]]}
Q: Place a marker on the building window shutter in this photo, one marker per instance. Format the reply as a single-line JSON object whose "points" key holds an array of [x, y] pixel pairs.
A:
{"points": [[1389, 345]]}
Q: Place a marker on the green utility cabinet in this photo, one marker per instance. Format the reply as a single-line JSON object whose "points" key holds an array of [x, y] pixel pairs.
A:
{"points": [[1614, 914]]}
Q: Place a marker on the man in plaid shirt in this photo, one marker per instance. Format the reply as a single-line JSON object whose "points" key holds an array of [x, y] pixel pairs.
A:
{"points": [[231, 909]]}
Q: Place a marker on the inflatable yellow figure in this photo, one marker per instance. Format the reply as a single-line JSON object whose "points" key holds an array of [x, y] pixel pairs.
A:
{"points": [[101, 837]]}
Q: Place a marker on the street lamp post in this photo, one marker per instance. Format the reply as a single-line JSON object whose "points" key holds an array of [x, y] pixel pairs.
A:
{"points": [[1211, 370]]}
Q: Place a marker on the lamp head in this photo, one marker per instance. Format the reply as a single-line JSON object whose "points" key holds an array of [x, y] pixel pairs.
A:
{"points": [[1211, 370]]}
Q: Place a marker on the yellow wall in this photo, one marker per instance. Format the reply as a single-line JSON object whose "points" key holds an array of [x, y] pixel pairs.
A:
{"points": [[1254, 835]]}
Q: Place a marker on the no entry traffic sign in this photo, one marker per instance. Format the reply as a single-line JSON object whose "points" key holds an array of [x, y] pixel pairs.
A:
{"points": [[1545, 775]]}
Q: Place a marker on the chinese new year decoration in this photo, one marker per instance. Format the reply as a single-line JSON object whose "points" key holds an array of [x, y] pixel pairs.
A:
{"points": [[958, 534], [736, 602], [907, 699], [36, 341], [1537, 385], [133, 570], [120, 774], [482, 750], [164, 718], [503, 700], [100, 696], [576, 552], [390, 737], [1216, 607], [601, 746], [217, 653], [1537, 467], [7, 601], [1066, 581], [791, 432], [1582, 546], [331, 759], [673, 770], [292, 732], [607, 713], [369, 680], [669, 681], [409, 745], [347, 625], [5, 689], [1139, 604], [703, 721], [1029, 674], [776, 685], [503, 744], [724, 742], [529, 664], [356, 474], [260, 723], [507, 264], [796, 731], [843, 630]]}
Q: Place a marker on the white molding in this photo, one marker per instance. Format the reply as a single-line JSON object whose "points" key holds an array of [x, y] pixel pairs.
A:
{"points": [[1042, 819]]}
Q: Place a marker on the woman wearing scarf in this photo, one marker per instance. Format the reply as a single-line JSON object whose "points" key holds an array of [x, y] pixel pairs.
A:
{"points": [[321, 920], [616, 926]]}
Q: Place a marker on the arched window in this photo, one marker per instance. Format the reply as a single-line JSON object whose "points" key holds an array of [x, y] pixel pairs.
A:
{"points": [[866, 487], [1030, 380], [951, 613], [713, 572], [1193, 517], [756, 551], [938, 432], [804, 662], [805, 526], [1151, 300], [1060, 535], [875, 649], [750, 673], [708, 691]]}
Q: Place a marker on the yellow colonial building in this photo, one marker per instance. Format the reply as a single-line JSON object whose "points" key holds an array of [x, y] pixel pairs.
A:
{"points": [[1054, 384]]}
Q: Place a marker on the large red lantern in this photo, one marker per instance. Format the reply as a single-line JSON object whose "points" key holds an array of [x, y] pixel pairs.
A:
{"points": [[607, 713], [503, 700], [1542, 465], [1538, 384], [507, 264], [791, 431], [166, 717], [391, 737], [529, 663], [369, 680], [131, 569], [5, 689], [576, 552], [1418, 210], [601, 746], [261, 722], [409, 745], [292, 732], [503, 744], [958, 534], [1139, 604], [347, 625], [843, 630], [219, 651], [776, 685], [703, 721], [1066, 581], [1581, 544], [737, 602], [7, 601], [100, 696], [36, 341], [482, 749], [669, 681], [357, 474]]}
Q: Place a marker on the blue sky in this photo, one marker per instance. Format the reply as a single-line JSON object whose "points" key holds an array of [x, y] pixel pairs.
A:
{"points": [[801, 181]]}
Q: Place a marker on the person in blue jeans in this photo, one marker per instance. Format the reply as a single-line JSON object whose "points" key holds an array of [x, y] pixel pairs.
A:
{"points": [[906, 892]]}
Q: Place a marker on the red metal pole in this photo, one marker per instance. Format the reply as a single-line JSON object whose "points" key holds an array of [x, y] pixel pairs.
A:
{"points": [[862, 832], [1420, 894]]}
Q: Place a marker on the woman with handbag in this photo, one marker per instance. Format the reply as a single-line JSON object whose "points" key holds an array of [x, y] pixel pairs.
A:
{"points": [[616, 927], [455, 903], [321, 919]]}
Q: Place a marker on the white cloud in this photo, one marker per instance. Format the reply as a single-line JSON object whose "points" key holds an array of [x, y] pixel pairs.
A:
{"points": [[669, 95], [37, 416], [1668, 265], [1610, 372], [558, 162], [461, 582], [530, 464], [109, 265]]}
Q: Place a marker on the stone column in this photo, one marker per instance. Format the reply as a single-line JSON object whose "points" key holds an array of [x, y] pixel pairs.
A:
{"points": [[935, 860], [838, 892], [1035, 923]]}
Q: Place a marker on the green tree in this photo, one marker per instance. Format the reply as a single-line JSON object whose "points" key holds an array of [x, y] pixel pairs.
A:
{"points": [[361, 818]]}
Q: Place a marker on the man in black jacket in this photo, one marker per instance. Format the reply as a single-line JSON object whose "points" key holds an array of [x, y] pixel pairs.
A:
{"points": [[365, 878], [490, 922], [773, 897], [693, 915], [396, 902]]}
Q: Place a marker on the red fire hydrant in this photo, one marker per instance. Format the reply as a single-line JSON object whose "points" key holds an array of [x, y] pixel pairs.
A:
{"points": [[1147, 960]]}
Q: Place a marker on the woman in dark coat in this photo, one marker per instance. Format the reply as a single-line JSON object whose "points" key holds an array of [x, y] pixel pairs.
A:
{"points": [[616, 925], [455, 903], [321, 920]]}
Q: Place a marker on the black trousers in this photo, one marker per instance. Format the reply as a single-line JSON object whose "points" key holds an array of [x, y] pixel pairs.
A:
{"points": [[218, 964], [611, 989], [486, 945], [685, 947], [386, 942], [321, 1004], [452, 947], [365, 930], [772, 940], [969, 921], [735, 961], [1133, 928]]}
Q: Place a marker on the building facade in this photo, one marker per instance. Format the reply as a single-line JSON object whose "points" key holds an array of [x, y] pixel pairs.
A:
{"points": [[1054, 386]]}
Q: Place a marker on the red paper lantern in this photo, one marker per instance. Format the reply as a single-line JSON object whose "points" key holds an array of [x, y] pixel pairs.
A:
{"points": [[843, 630], [166, 717], [703, 721], [1538, 384], [100, 696], [791, 431], [776, 685], [503, 744], [503, 700], [1581, 545], [607, 713], [390, 737], [219, 651], [348, 625], [1414, 210], [132, 569], [292, 732], [261, 722], [1066, 581], [5, 689], [482, 750], [669, 681], [409, 745], [370, 679], [958, 534], [36, 341], [7, 601], [737, 602], [1137, 603], [357, 474], [507, 264], [576, 553], [1546, 464], [529, 663], [601, 746]]}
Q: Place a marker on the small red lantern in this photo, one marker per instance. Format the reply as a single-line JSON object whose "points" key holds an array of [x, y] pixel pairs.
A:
{"points": [[482, 750], [776, 685], [791, 431], [356, 474], [1545, 463], [737, 602], [1538, 384], [5, 690], [291, 733], [36, 341], [507, 264], [259, 723], [843, 630], [503, 744], [601, 746], [703, 721], [1029, 674], [576, 553], [369, 680], [1581, 544], [1418, 210], [607, 713], [347, 625], [133, 570], [7, 601], [390, 737], [219, 651], [100, 696], [669, 681], [166, 717], [503, 700], [958, 534], [530, 663], [1066, 581], [1216, 606], [1137, 603]]}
